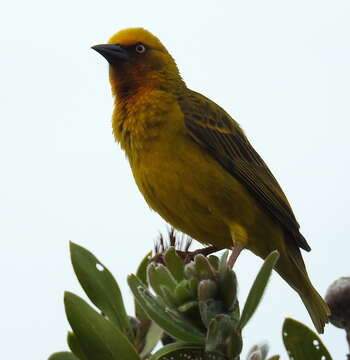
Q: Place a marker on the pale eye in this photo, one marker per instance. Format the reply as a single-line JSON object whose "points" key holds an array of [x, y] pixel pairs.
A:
{"points": [[140, 48]]}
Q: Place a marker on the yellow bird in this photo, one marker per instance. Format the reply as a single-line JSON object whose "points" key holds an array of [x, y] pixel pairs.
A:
{"points": [[194, 165]]}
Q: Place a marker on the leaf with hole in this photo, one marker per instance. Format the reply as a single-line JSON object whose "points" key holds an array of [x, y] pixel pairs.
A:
{"points": [[302, 343], [180, 351], [100, 286]]}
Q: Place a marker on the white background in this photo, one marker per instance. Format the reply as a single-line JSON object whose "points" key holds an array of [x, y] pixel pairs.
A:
{"points": [[281, 68]]}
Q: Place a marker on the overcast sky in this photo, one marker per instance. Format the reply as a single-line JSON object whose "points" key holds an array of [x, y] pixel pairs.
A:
{"points": [[280, 68]]}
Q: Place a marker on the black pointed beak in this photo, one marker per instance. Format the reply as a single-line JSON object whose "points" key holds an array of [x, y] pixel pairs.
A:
{"points": [[113, 53]]}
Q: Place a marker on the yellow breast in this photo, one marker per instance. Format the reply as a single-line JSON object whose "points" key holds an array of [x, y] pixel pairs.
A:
{"points": [[139, 120], [177, 177]]}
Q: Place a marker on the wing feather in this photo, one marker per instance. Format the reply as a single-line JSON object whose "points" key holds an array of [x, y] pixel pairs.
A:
{"points": [[221, 136]]}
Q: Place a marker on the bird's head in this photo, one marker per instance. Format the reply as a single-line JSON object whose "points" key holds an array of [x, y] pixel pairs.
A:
{"points": [[138, 60]]}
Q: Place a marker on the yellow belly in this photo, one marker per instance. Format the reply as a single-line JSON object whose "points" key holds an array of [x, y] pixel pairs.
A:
{"points": [[192, 192]]}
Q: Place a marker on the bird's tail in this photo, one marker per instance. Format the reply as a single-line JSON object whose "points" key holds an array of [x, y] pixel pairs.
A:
{"points": [[296, 275], [315, 305]]}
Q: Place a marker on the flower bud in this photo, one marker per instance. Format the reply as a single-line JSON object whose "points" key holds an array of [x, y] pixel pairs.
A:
{"points": [[338, 300]]}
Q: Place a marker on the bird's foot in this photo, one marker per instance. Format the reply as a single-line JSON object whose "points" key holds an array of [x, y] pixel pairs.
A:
{"points": [[186, 256], [189, 256]]}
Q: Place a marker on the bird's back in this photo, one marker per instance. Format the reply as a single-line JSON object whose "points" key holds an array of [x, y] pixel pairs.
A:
{"points": [[222, 137]]}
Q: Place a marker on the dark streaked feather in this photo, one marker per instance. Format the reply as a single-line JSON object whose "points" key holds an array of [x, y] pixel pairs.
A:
{"points": [[217, 132]]}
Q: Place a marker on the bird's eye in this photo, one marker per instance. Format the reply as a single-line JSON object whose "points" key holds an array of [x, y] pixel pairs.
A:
{"points": [[140, 48]]}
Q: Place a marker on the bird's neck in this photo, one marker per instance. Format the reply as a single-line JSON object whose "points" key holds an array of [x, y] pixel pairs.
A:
{"points": [[127, 86]]}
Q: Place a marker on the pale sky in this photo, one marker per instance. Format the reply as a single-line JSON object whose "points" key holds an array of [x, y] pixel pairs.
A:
{"points": [[280, 68]]}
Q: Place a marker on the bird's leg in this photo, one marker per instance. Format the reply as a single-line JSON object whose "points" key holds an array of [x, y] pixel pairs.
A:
{"points": [[236, 250], [239, 237]]}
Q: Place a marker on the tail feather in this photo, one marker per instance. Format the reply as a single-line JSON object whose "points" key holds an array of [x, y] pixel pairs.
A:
{"points": [[316, 307], [292, 268]]}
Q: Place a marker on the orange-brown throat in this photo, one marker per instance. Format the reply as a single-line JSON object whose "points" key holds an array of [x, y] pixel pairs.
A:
{"points": [[126, 83], [140, 105]]}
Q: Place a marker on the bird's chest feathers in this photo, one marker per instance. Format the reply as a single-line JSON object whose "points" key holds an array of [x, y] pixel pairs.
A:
{"points": [[140, 120]]}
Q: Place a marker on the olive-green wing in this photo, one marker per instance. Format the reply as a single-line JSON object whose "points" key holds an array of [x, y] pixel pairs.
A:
{"points": [[222, 137]]}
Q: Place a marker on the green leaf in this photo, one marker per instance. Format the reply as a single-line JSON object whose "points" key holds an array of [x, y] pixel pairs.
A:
{"points": [[153, 336], [257, 290], [100, 286], [63, 355], [203, 268], [207, 289], [223, 338], [214, 262], [228, 288], [99, 338], [219, 330], [75, 347], [303, 343], [235, 314], [186, 290], [141, 273], [208, 309], [190, 270], [174, 263], [161, 315], [235, 344], [158, 276], [168, 297], [223, 262], [179, 351], [188, 306], [275, 357]]}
